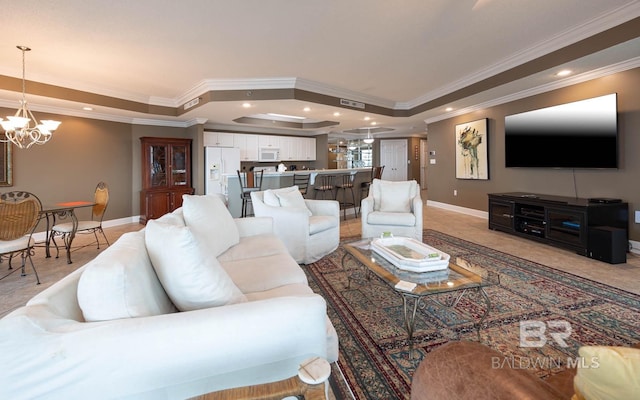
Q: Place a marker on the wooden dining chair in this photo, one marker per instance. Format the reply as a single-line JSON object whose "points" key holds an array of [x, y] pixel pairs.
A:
{"points": [[92, 226], [19, 215]]}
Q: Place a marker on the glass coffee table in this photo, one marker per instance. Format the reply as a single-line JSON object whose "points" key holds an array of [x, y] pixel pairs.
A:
{"points": [[415, 287]]}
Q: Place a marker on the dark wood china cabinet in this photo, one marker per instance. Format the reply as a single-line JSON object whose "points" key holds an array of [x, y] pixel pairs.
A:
{"points": [[166, 175]]}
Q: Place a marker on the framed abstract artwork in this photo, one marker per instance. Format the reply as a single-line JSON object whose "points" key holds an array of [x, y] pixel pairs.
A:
{"points": [[6, 173], [472, 158]]}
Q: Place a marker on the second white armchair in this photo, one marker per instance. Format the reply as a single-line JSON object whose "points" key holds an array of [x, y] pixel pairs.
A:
{"points": [[309, 228], [394, 207]]}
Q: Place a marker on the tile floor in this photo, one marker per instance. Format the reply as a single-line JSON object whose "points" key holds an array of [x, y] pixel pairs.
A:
{"points": [[474, 229], [16, 290]]}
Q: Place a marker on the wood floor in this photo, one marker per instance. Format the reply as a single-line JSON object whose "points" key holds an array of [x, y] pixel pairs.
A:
{"points": [[16, 290]]}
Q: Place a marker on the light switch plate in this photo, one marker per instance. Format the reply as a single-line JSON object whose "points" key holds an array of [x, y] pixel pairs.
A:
{"points": [[432, 161], [637, 217]]}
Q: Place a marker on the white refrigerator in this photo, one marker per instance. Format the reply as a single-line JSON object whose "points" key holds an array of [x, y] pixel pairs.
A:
{"points": [[220, 162]]}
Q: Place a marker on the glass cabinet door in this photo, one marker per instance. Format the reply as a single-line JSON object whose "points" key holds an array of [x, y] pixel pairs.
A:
{"points": [[179, 165], [158, 167]]}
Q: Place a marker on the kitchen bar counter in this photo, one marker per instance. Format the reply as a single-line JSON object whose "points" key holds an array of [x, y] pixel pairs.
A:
{"points": [[276, 180]]}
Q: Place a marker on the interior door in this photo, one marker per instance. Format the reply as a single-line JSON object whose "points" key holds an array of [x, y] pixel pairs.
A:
{"points": [[393, 155]]}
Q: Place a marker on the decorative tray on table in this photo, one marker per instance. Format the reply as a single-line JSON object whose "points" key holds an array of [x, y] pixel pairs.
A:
{"points": [[410, 255]]}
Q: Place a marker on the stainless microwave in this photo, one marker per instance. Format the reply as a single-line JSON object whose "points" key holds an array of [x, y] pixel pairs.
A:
{"points": [[269, 154]]}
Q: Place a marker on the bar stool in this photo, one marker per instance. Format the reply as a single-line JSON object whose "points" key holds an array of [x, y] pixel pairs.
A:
{"points": [[323, 184], [376, 173], [302, 182], [249, 182], [345, 182]]}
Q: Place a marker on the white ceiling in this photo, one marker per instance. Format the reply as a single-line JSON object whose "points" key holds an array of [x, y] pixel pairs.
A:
{"points": [[394, 54]]}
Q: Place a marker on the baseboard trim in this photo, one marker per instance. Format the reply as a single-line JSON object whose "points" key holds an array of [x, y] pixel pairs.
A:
{"points": [[633, 248], [41, 236], [458, 209]]}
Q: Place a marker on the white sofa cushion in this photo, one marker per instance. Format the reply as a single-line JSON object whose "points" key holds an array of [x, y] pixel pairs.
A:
{"points": [[121, 283], [211, 223], [262, 245], [264, 273], [192, 278]]}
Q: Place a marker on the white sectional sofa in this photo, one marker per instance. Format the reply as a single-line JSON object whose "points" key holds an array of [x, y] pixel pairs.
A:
{"points": [[112, 328]]}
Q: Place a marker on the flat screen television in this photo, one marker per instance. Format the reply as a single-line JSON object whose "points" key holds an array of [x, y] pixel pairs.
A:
{"points": [[582, 134]]}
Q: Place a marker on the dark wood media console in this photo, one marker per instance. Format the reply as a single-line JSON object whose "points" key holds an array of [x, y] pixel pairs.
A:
{"points": [[596, 228]]}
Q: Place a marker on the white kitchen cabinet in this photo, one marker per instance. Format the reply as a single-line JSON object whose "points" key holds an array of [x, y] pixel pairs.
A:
{"points": [[289, 148], [297, 148], [307, 149], [269, 141], [218, 139], [248, 145]]}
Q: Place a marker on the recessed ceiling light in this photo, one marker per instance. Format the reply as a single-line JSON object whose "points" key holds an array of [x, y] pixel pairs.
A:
{"points": [[246, 105], [374, 123], [564, 72], [367, 118], [336, 114], [449, 109], [306, 109], [87, 108]]}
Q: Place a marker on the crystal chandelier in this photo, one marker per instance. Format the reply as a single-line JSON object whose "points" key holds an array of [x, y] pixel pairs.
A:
{"points": [[23, 129]]}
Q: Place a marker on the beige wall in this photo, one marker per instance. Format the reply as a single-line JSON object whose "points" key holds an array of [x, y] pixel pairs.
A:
{"points": [[621, 183], [85, 151], [68, 167]]}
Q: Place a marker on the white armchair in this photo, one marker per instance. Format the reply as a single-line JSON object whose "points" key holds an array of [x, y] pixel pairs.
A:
{"points": [[394, 207], [309, 228]]}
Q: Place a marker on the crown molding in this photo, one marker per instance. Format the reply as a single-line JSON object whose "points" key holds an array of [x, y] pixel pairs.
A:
{"points": [[569, 81], [566, 38]]}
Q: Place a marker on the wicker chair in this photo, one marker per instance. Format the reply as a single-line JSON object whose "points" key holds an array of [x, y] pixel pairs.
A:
{"points": [[94, 225], [19, 215]]}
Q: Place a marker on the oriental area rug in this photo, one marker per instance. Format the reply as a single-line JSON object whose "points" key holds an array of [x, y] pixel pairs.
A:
{"points": [[375, 357]]}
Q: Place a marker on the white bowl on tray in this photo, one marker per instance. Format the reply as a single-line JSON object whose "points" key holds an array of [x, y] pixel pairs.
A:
{"points": [[409, 254]]}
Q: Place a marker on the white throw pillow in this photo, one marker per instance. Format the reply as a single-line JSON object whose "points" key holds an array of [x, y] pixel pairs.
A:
{"points": [[192, 277], [271, 199], [121, 283], [271, 195], [211, 223], [292, 199], [396, 196]]}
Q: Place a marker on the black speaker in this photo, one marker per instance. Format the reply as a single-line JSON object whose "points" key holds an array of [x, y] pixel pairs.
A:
{"points": [[608, 244]]}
